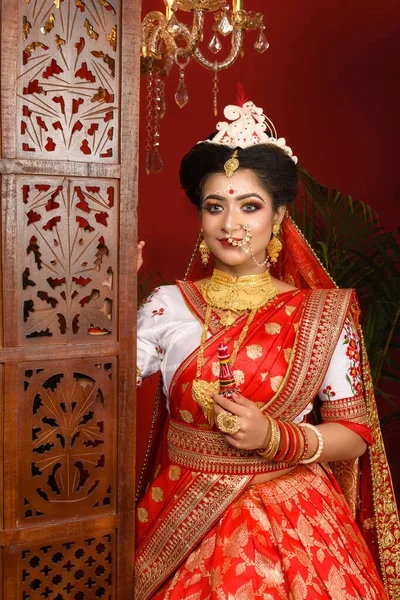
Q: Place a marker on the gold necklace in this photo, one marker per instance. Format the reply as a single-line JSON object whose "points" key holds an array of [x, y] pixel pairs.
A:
{"points": [[233, 294], [237, 294]]}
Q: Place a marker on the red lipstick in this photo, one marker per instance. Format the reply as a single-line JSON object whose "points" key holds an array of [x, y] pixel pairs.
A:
{"points": [[225, 242]]}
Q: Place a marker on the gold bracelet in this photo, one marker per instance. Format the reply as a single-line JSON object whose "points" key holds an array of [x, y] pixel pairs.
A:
{"points": [[320, 447], [272, 448]]}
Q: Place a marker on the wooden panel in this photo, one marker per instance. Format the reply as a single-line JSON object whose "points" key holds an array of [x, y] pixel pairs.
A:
{"points": [[78, 568], [68, 80], [72, 351], [66, 258], [128, 295], [69, 529], [64, 406], [1, 262], [1, 571], [9, 41], [1, 446], [53, 167], [9, 242], [65, 419]]}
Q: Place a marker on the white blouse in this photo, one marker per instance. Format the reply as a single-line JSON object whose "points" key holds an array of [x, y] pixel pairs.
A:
{"points": [[168, 332]]}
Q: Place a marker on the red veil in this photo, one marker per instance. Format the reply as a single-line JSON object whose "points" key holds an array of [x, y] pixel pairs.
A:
{"points": [[370, 497]]}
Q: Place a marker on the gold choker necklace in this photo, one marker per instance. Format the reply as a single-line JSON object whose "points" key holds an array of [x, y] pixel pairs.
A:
{"points": [[237, 294]]}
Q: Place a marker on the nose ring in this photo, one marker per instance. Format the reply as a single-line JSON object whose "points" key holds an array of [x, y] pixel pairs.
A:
{"points": [[241, 243]]}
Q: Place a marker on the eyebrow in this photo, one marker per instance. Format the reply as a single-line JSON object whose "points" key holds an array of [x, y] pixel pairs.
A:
{"points": [[239, 198]]}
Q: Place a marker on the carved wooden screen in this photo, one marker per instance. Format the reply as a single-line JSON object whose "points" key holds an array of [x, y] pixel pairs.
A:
{"points": [[69, 109]]}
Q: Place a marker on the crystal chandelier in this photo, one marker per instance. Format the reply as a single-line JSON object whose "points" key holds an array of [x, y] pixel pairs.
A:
{"points": [[167, 42]]}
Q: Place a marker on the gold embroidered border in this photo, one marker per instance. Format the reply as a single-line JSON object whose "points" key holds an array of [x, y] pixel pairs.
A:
{"points": [[197, 304], [320, 327], [347, 473], [177, 533], [346, 409], [386, 514], [209, 452]]}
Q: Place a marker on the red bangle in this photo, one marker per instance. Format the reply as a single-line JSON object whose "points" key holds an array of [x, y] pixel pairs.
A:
{"points": [[294, 443], [284, 442], [305, 438]]}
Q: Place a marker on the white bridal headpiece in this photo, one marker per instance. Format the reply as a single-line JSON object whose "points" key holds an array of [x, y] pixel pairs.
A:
{"points": [[248, 128]]}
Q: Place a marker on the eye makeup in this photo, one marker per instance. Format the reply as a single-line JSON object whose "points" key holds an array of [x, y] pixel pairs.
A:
{"points": [[212, 206], [252, 206]]}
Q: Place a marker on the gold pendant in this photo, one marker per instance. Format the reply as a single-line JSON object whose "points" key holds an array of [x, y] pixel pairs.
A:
{"points": [[227, 319], [202, 391]]}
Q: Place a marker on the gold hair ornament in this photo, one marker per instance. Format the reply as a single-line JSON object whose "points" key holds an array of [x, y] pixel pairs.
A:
{"points": [[232, 164]]}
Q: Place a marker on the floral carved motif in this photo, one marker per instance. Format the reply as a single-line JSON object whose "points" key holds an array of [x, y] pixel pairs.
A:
{"points": [[67, 259], [67, 437], [68, 80]]}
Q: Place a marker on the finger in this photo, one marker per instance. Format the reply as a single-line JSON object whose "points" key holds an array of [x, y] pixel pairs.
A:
{"points": [[218, 410], [230, 406], [232, 440], [140, 247], [239, 399]]}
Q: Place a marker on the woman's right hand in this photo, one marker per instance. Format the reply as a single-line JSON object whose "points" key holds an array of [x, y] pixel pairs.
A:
{"points": [[140, 247]]}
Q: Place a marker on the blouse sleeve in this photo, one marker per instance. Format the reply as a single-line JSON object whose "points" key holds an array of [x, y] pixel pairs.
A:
{"points": [[342, 389], [151, 320]]}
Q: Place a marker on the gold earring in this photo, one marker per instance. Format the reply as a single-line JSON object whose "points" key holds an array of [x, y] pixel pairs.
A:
{"points": [[204, 252], [275, 245]]}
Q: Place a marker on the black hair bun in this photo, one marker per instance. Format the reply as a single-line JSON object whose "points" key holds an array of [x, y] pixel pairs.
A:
{"points": [[274, 169]]}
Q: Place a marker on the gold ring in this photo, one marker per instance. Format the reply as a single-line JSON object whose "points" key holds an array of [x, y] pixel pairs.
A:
{"points": [[228, 423]]}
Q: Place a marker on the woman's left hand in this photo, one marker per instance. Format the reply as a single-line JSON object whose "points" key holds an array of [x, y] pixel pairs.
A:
{"points": [[254, 430]]}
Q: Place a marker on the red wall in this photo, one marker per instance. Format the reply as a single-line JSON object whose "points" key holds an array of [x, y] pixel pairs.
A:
{"points": [[330, 83]]}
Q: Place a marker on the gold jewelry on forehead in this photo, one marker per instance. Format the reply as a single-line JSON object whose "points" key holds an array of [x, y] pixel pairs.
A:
{"points": [[232, 164]]}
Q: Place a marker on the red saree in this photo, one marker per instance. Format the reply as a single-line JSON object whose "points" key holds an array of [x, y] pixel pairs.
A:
{"points": [[204, 533]]}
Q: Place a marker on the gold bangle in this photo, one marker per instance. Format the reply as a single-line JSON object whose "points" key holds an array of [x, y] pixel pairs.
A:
{"points": [[272, 448], [320, 447]]}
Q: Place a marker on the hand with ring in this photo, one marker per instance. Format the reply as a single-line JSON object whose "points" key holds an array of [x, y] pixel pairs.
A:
{"points": [[241, 421]]}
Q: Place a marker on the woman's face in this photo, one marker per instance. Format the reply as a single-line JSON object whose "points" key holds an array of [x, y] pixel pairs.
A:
{"points": [[228, 204]]}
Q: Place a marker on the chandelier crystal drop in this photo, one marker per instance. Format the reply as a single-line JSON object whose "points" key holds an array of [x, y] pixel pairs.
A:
{"points": [[215, 44], [156, 162], [225, 27], [181, 94], [261, 44]]}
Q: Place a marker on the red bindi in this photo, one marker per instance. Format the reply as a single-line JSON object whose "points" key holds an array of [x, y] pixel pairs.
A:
{"points": [[231, 191]]}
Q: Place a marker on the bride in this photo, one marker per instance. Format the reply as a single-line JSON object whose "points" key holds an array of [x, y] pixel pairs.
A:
{"points": [[241, 501]]}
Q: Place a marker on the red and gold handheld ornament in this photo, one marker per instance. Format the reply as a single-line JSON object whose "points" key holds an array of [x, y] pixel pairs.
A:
{"points": [[227, 383]]}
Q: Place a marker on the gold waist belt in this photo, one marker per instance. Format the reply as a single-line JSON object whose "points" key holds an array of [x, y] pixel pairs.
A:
{"points": [[209, 452]]}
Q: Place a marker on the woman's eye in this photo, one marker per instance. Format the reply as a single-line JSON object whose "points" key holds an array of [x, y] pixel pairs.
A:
{"points": [[213, 208], [250, 207]]}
